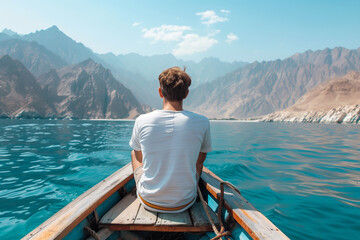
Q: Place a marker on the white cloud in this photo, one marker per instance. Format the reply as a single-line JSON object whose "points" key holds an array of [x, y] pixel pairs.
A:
{"points": [[188, 44], [225, 11], [165, 33], [231, 37], [135, 24], [210, 17], [213, 33], [193, 43]]}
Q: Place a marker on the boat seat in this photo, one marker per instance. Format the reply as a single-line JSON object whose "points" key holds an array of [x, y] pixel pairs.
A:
{"points": [[129, 214]]}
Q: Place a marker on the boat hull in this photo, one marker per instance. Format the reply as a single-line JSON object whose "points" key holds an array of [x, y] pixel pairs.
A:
{"points": [[86, 211]]}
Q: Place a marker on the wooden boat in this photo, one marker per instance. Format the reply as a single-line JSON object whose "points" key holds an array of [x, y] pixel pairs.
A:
{"points": [[110, 210]]}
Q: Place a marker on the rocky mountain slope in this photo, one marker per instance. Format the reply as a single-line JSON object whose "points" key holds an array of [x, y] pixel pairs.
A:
{"points": [[88, 90], [35, 57], [59, 44], [252, 90], [336, 100], [20, 94], [264, 87], [136, 72]]}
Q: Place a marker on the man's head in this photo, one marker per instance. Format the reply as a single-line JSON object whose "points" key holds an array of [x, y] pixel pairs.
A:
{"points": [[174, 84]]}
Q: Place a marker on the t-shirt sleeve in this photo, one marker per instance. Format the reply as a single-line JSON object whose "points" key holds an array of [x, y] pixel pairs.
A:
{"points": [[206, 144], [135, 138]]}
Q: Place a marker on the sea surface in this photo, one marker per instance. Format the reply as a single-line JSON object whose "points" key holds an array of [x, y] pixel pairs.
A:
{"points": [[304, 177]]}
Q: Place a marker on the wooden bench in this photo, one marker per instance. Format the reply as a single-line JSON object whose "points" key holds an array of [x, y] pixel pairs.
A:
{"points": [[129, 214]]}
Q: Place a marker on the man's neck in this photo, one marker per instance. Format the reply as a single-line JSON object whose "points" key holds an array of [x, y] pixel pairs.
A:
{"points": [[172, 106]]}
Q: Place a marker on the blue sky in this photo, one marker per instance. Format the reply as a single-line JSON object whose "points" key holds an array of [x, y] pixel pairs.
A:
{"points": [[191, 30]]}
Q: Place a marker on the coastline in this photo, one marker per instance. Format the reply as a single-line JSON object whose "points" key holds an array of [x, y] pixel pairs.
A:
{"points": [[340, 115]]}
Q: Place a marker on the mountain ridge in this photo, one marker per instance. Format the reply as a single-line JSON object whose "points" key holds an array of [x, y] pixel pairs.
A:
{"points": [[227, 90], [89, 91], [82, 91], [61, 44], [148, 68], [260, 88], [138, 73], [35, 57], [335, 100], [20, 94]]}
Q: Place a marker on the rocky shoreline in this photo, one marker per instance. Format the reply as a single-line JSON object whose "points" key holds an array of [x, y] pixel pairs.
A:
{"points": [[345, 114]]}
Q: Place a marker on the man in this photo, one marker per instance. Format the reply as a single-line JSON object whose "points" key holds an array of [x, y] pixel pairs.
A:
{"points": [[169, 148]]}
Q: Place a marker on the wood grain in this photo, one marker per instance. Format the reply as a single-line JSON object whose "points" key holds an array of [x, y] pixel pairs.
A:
{"points": [[180, 228], [174, 219], [199, 216], [103, 233], [145, 217], [254, 222], [61, 223], [124, 212]]}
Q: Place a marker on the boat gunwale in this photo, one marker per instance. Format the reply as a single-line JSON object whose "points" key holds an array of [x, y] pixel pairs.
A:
{"points": [[65, 220], [244, 217]]}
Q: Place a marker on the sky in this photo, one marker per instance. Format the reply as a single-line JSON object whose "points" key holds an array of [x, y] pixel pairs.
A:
{"points": [[242, 30]]}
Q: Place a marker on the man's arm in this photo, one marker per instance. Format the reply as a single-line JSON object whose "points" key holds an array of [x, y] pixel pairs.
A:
{"points": [[200, 162], [136, 159]]}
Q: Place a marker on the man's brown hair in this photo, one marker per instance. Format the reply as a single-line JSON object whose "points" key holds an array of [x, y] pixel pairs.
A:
{"points": [[174, 83]]}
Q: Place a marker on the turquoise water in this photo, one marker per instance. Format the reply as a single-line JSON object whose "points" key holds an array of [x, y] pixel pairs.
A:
{"points": [[304, 177]]}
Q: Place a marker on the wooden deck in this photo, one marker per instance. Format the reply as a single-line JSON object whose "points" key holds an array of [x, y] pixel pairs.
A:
{"points": [[129, 214]]}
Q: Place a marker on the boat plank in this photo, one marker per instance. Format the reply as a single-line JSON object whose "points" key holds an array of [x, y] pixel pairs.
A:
{"points": [[254, 222], [199, 216], [166, 228], [172, 219], [103, 234], [124, 212], [145, 217], [61, 223]]}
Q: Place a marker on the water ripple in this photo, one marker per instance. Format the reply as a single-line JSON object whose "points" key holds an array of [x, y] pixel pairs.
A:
{"points": [[304, 177]]}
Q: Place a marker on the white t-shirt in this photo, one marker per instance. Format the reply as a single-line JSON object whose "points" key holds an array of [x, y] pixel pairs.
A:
{"points": [[170, 142]]}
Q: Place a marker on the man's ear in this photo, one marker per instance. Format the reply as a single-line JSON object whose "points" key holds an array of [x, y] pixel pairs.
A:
{"points": [[160, 93], [186, 94]]}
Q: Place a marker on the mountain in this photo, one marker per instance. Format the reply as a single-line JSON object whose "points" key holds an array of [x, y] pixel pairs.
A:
{"points": [[59, 44], [143, 72], [210, 68], [151, 66], [62, 45], [20, 94], [88, 90], [260, 88], [335, 100], [74, 52], [84, 90], [9, 32], [148, 66], [145, 91], [132, 79], [33, 56], [136, 72], [4, 36]]}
